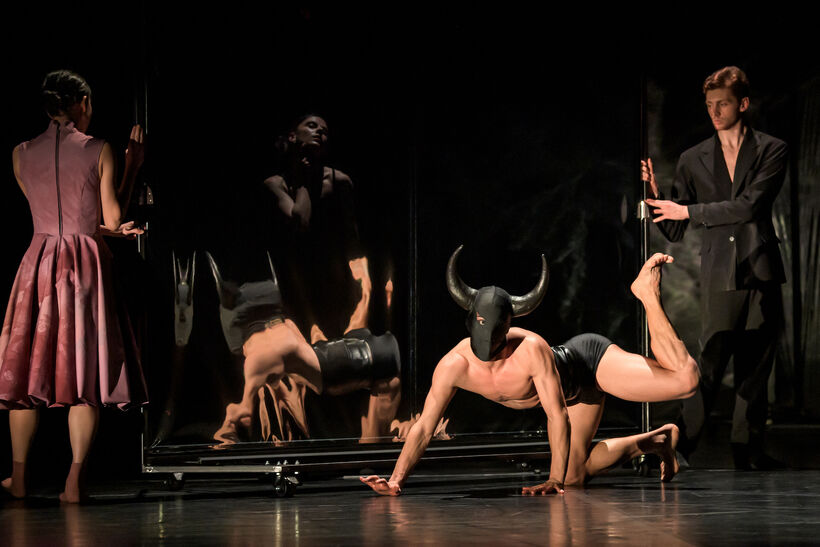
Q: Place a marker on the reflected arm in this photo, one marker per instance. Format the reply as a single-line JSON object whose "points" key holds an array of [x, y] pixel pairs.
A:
{"points": [[134, 158], [296, 208]]}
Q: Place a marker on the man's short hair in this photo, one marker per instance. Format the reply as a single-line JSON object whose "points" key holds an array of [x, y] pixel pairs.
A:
{"points": [[731, 77]]}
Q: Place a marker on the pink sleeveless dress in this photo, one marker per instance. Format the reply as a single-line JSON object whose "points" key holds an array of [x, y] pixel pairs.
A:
{"points": [[63, 340]]}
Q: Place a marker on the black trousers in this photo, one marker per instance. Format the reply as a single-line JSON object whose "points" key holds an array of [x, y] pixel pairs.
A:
{"points": [[746, 325]]}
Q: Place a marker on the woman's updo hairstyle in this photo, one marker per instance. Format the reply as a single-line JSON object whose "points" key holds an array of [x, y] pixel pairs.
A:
{"points": [[63, 89]]}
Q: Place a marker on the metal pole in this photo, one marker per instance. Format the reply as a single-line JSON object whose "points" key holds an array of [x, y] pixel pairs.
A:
{"points": [[645, 219]]}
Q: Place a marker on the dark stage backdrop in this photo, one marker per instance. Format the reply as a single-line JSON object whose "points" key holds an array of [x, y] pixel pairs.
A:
{"points": [[504, 132], [450, 136]]}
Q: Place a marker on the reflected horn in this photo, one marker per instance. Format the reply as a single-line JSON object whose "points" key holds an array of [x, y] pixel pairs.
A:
{"points": [[522, 305], [176, 275], [191, 281], [462, 293], [272, 272], [217, 277]]}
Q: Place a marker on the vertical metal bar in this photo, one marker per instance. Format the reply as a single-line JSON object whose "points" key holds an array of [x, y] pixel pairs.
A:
{"points": [[797, 281], [643, 215], [414, 257]]}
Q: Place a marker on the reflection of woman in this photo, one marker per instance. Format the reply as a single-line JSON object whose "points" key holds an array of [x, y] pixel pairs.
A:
{"points": [[254, 325], [314, 204], [61, 343]]}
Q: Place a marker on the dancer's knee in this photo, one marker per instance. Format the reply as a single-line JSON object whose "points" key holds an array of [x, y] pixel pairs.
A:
{"points": [[689, 379]]}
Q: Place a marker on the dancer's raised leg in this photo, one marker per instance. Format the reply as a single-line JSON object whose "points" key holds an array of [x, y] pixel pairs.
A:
{"points": [[673, 374]]}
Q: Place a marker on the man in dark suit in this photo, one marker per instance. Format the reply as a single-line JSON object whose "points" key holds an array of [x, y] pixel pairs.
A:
{"points": [[726, 185]]}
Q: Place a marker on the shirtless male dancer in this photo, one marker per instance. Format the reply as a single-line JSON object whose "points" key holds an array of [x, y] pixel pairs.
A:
{"points": [[518, 369]]}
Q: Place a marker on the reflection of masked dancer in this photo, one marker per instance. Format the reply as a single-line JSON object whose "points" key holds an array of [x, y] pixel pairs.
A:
{"points": [[517, 369], [315, 205], [254, 325]]}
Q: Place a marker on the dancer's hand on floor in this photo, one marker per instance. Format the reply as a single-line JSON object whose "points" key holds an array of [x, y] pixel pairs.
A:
{"points": [[552, 486], [381, 486]]}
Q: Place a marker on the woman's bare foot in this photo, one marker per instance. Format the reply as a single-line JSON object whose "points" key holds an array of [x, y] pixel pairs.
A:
{"points": [[16, 484], [11, 487], [648, 282], [73, 490]]}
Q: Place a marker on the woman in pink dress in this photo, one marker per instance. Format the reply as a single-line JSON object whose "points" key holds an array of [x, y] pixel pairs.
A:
{"points": [[62, 342]]}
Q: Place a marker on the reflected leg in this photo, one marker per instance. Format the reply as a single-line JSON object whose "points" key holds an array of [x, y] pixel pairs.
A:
{"points": [[385, 396], [270, 354]]}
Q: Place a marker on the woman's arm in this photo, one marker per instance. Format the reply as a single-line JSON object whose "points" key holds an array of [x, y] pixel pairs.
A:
{"points": [[15, 161], [112, 214]]}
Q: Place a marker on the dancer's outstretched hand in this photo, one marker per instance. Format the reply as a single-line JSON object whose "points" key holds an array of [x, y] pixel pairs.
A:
{"points": [[552, 486], [381, 486], [126, 229]]}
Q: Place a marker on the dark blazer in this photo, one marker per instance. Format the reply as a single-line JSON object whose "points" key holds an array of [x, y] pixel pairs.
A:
{"points": [[740, 248]]}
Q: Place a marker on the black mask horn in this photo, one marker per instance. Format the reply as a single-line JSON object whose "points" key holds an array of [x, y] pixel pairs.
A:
{"points": [[491, 308]]}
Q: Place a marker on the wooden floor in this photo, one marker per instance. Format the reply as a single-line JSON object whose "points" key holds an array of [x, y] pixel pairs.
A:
{"points": [[700, 507]]}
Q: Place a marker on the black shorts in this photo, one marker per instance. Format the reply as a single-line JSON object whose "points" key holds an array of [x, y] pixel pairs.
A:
{"points": [[577, 361]]}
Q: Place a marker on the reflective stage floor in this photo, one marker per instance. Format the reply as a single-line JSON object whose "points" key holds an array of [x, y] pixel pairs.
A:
{"points": [[700, 507]]}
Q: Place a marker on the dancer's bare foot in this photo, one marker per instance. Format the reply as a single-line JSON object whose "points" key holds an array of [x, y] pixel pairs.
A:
{"points": [[14, 490], [73, 491], [663, 442], [16, 484], [648, 282], [70, 496], [669, 459]]}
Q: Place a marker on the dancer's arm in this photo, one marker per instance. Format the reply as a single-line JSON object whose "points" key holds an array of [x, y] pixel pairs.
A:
{"points": [[296, 209], [15, 161], [126, 229], [548, 385], [111, 211], [755, 199], [441, 392]]}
